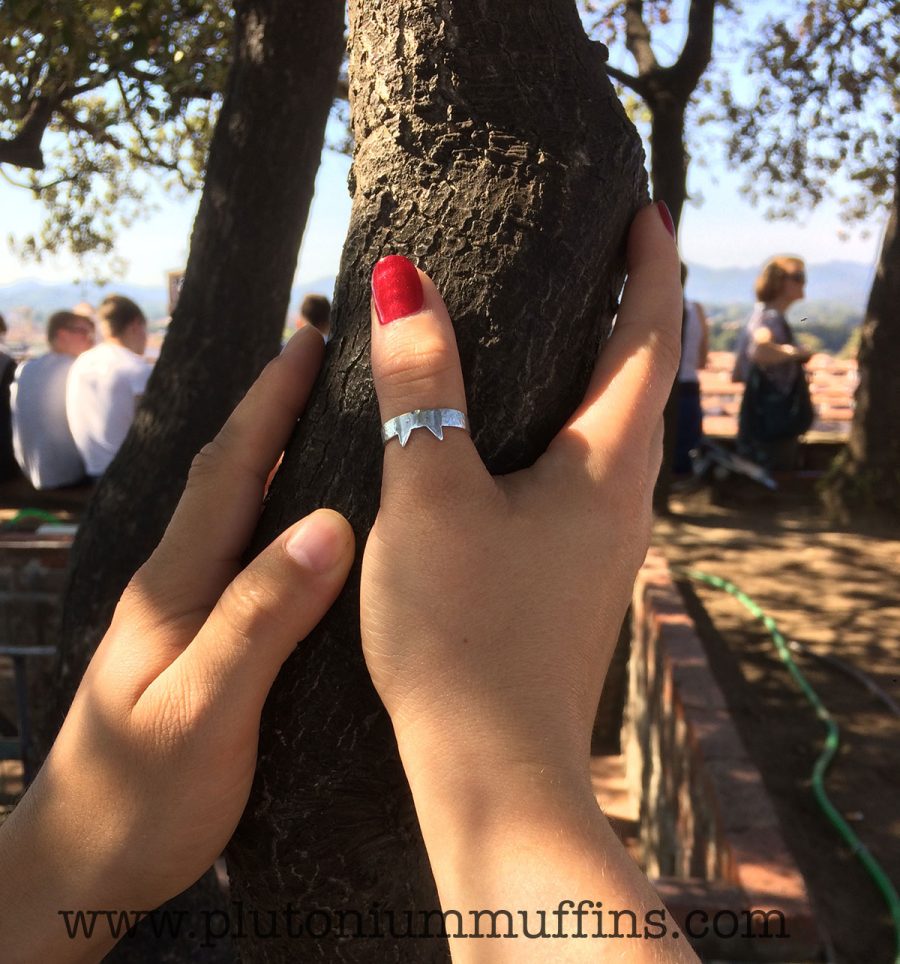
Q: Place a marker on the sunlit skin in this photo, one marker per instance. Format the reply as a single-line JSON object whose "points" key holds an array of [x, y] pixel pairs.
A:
{"points": [[489, 611], [152, 768], [490, 608]]}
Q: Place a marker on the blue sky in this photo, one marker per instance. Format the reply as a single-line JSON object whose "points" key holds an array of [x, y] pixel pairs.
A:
{"points": [[722, 230]]}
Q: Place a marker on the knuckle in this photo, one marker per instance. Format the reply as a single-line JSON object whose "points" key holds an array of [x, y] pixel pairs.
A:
{"points": [[206, 461], [420, 364], [248, 601], [224, 454]]}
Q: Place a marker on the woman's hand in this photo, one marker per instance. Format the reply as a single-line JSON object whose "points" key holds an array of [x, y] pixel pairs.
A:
{"points": [[490, 607], [152, 767]]}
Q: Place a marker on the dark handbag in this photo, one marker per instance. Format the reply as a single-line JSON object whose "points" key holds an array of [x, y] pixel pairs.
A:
{"points": [[768, 414]]}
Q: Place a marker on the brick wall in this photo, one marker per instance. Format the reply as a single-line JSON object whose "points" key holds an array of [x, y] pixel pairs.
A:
{"points": [[709, 834]]}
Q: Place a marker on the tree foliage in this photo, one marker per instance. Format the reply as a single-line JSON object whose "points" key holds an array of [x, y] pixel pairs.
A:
{"points": [[91, 93], [824, 119], [667, 93]]}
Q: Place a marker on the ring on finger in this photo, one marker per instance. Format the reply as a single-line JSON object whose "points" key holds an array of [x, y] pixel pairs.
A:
{"points": [[434, 419]]}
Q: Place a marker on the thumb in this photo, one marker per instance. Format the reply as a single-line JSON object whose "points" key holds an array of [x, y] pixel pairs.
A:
{"points": [[276, 601]]}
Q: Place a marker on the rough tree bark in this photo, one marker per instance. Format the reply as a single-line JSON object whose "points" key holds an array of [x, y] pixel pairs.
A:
{"points": [[228, 323], [491, 149], [667, 91], [865, 480], [233, 304]]}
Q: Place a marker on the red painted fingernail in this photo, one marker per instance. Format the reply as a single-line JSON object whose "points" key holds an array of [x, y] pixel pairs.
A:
{"points": [[396, 289], [666, 216]]}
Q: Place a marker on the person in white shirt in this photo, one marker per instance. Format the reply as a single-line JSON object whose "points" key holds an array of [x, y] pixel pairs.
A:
{"points": [[42, 442], [106, 383]]}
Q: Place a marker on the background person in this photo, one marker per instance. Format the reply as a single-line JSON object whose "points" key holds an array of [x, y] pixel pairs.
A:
{"points": [[771, 366], [315, 310], [44, 447], [86, 310], [8, 467], [106, 382], [694, 351]]}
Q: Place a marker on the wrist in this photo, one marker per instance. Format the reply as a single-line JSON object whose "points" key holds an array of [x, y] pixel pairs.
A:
{"points": [[519, 841], [502, 816]]}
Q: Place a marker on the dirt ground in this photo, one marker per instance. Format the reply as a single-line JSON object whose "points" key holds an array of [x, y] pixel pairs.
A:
{"points": [[837, 592]]}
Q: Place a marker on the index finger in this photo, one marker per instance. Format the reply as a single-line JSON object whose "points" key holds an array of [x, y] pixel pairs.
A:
{"points": [[202, 547], [633, 377]]}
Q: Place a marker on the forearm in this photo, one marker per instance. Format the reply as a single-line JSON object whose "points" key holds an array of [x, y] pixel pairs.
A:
{"points": [[37, 883], [534, 850], [771, 353]]}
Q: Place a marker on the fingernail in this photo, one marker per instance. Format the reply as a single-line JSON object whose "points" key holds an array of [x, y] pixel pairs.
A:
{"points": [[666, 216], [396, 289], [316, 545]]}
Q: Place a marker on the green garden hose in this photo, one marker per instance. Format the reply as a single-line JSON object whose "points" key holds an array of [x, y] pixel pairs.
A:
{"points": [[832, 741], [41, 514]]}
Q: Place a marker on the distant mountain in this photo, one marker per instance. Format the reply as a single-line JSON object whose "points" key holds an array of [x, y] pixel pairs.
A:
{"points": [[847, 282], [43, 297], [40, 299]]}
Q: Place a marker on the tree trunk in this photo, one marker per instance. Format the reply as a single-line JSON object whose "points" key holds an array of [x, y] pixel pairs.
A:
{"points": [[491, 149], [865, 479], [668, 154], [229, 319], [233, 304], [668, 174]]}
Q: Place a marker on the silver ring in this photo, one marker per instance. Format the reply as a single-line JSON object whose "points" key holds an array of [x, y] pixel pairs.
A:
{"points": [[434, 419]]}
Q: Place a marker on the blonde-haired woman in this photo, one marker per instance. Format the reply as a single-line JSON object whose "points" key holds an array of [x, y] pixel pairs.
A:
{"points": [[775, 409]]}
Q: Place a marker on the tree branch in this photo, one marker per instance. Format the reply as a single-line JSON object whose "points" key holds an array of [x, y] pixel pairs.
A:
{"points": [[624, 78], [183, 92], [146, 76], [100, 135], [24, 150], [151, 156], [637, 37], [76, 90], [104, 136], [37, 188], [696, 54]]}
